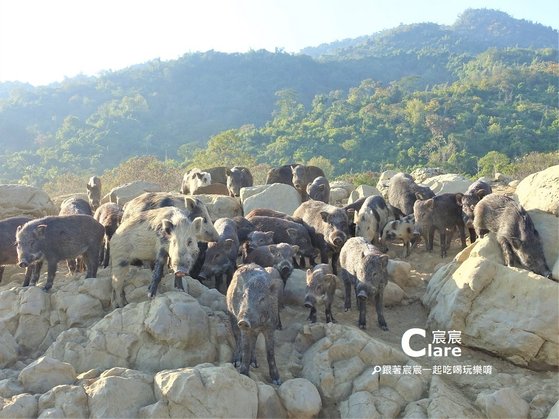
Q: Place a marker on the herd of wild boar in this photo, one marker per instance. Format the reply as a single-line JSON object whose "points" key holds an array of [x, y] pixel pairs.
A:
{"points": [[250, 258]]}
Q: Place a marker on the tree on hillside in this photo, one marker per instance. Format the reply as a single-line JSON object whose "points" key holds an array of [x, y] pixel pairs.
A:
{"points": [[225, 149]]}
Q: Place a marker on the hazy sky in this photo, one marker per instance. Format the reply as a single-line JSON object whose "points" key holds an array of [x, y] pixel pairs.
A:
{"points": [[42, 41]]}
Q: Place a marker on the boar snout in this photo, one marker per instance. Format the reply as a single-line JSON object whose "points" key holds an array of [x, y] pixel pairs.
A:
{"points": [[362, 294], [309, 301], [244, 324], [23, 264]]}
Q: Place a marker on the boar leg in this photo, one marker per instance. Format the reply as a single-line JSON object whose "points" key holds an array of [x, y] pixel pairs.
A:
{"points": [[269, 339], [312, 314], [253, 362], [462, 232], [2, 272], [35, 273], [508, 254], [347, 285], [237, 334], [157, 274], [406, 248], [91, 262], [335, 257], [107, 253], [51, 271], [328, 312], [473, 235], [362, 305], [442, 240], [379, 305], [431, 239]]}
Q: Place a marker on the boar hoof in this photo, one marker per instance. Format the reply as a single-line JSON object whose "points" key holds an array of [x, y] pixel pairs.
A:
{"points": [[362, 326], [277, 382]]}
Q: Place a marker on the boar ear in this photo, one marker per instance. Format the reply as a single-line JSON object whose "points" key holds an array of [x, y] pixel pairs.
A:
{"points": [[516, 243], [350, 211], [40, 230], [198, 225], [228, 244], [89, 187], [200, 175], [330, 277], [472, 207], [189, 203], [324, 215], [274, 250], [295, 248], [18, 229], [459, 197], [291, 232], [418, 196], [321, 187], [269, 234], [167, 226], [384, 261], [228, 172], [481, 193]]}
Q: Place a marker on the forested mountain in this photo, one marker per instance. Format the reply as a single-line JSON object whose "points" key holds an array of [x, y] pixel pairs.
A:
{"points": [[407, 96]]}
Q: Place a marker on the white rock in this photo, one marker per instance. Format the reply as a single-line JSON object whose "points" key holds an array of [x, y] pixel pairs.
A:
{"points": [[448, 402], [25, 200], [20, 406], [8, 348], [423, 173], [220, 206], [70, 401], [400, 273], [548, 230], [384, 180], [510, 312], [127, 192], [554, 412], [207, 391], [277, 196], [540, 191], [393, 295], [504, 403], [448, 183], [337, 195], [269, 403], [300, 397], [359, 405], [342, 184], [119, 393], [45, 373], [295, 288], [362, 191]]}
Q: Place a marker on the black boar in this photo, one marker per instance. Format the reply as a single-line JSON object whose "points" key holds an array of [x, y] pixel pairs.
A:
{"points": [[286, 231], [94, 192], [221, 256], [252, 306], [8, 250], [364, 266], [73, 206], [468, 201], [57, 238], [163, 236], [109, 215], [244, 227], [238, 177], [303, 175], [279, 256], [330, 225], [319, 189], [193, 179], [218, 174], [402, 192], [371, 219], [439, 213], [280, 174], [515, 232], [321, 286]]}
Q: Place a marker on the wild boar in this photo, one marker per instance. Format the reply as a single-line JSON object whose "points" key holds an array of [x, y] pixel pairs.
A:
{"points": [[279, 256], [109, 216], [403, 229], [286, 231], [468, 201], [282, 174], [303, 175], [319, 189], [244, 228], [238, 177], [8, 250], [57, 238], [193, 207], [371, 220], [163, 236], [330, 224], [321, 286], [94, 192], [73, 206], [403, 192], [441, 213], [221, 256], [252, 306], [365, 267], [193, 179], [515, 232]]}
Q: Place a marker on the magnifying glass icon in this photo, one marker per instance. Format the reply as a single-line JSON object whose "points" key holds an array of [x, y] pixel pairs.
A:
{"points": [[376, 369]]}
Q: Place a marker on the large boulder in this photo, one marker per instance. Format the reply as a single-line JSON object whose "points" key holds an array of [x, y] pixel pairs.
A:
{"points": [[59, 199], [362, 191], [45, 373], [509, 312], [127, 192], [300, 398], [204, 391], [448, 183], [540, 191], [64, 401], [423, 173], [276, 196], [384, 181], [25, 200], [220, 206]]}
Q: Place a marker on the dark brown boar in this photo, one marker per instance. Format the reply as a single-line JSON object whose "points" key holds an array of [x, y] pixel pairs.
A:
{"points": [[302, 176], [365, 267], [468, 201], [321, 286], [8, 249], [94, 192], [403, 192], [109, 215], [515, 232], [279, 256], [280, 174], [238, 177], [319, 189], [57, 238], [252, 306]]}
